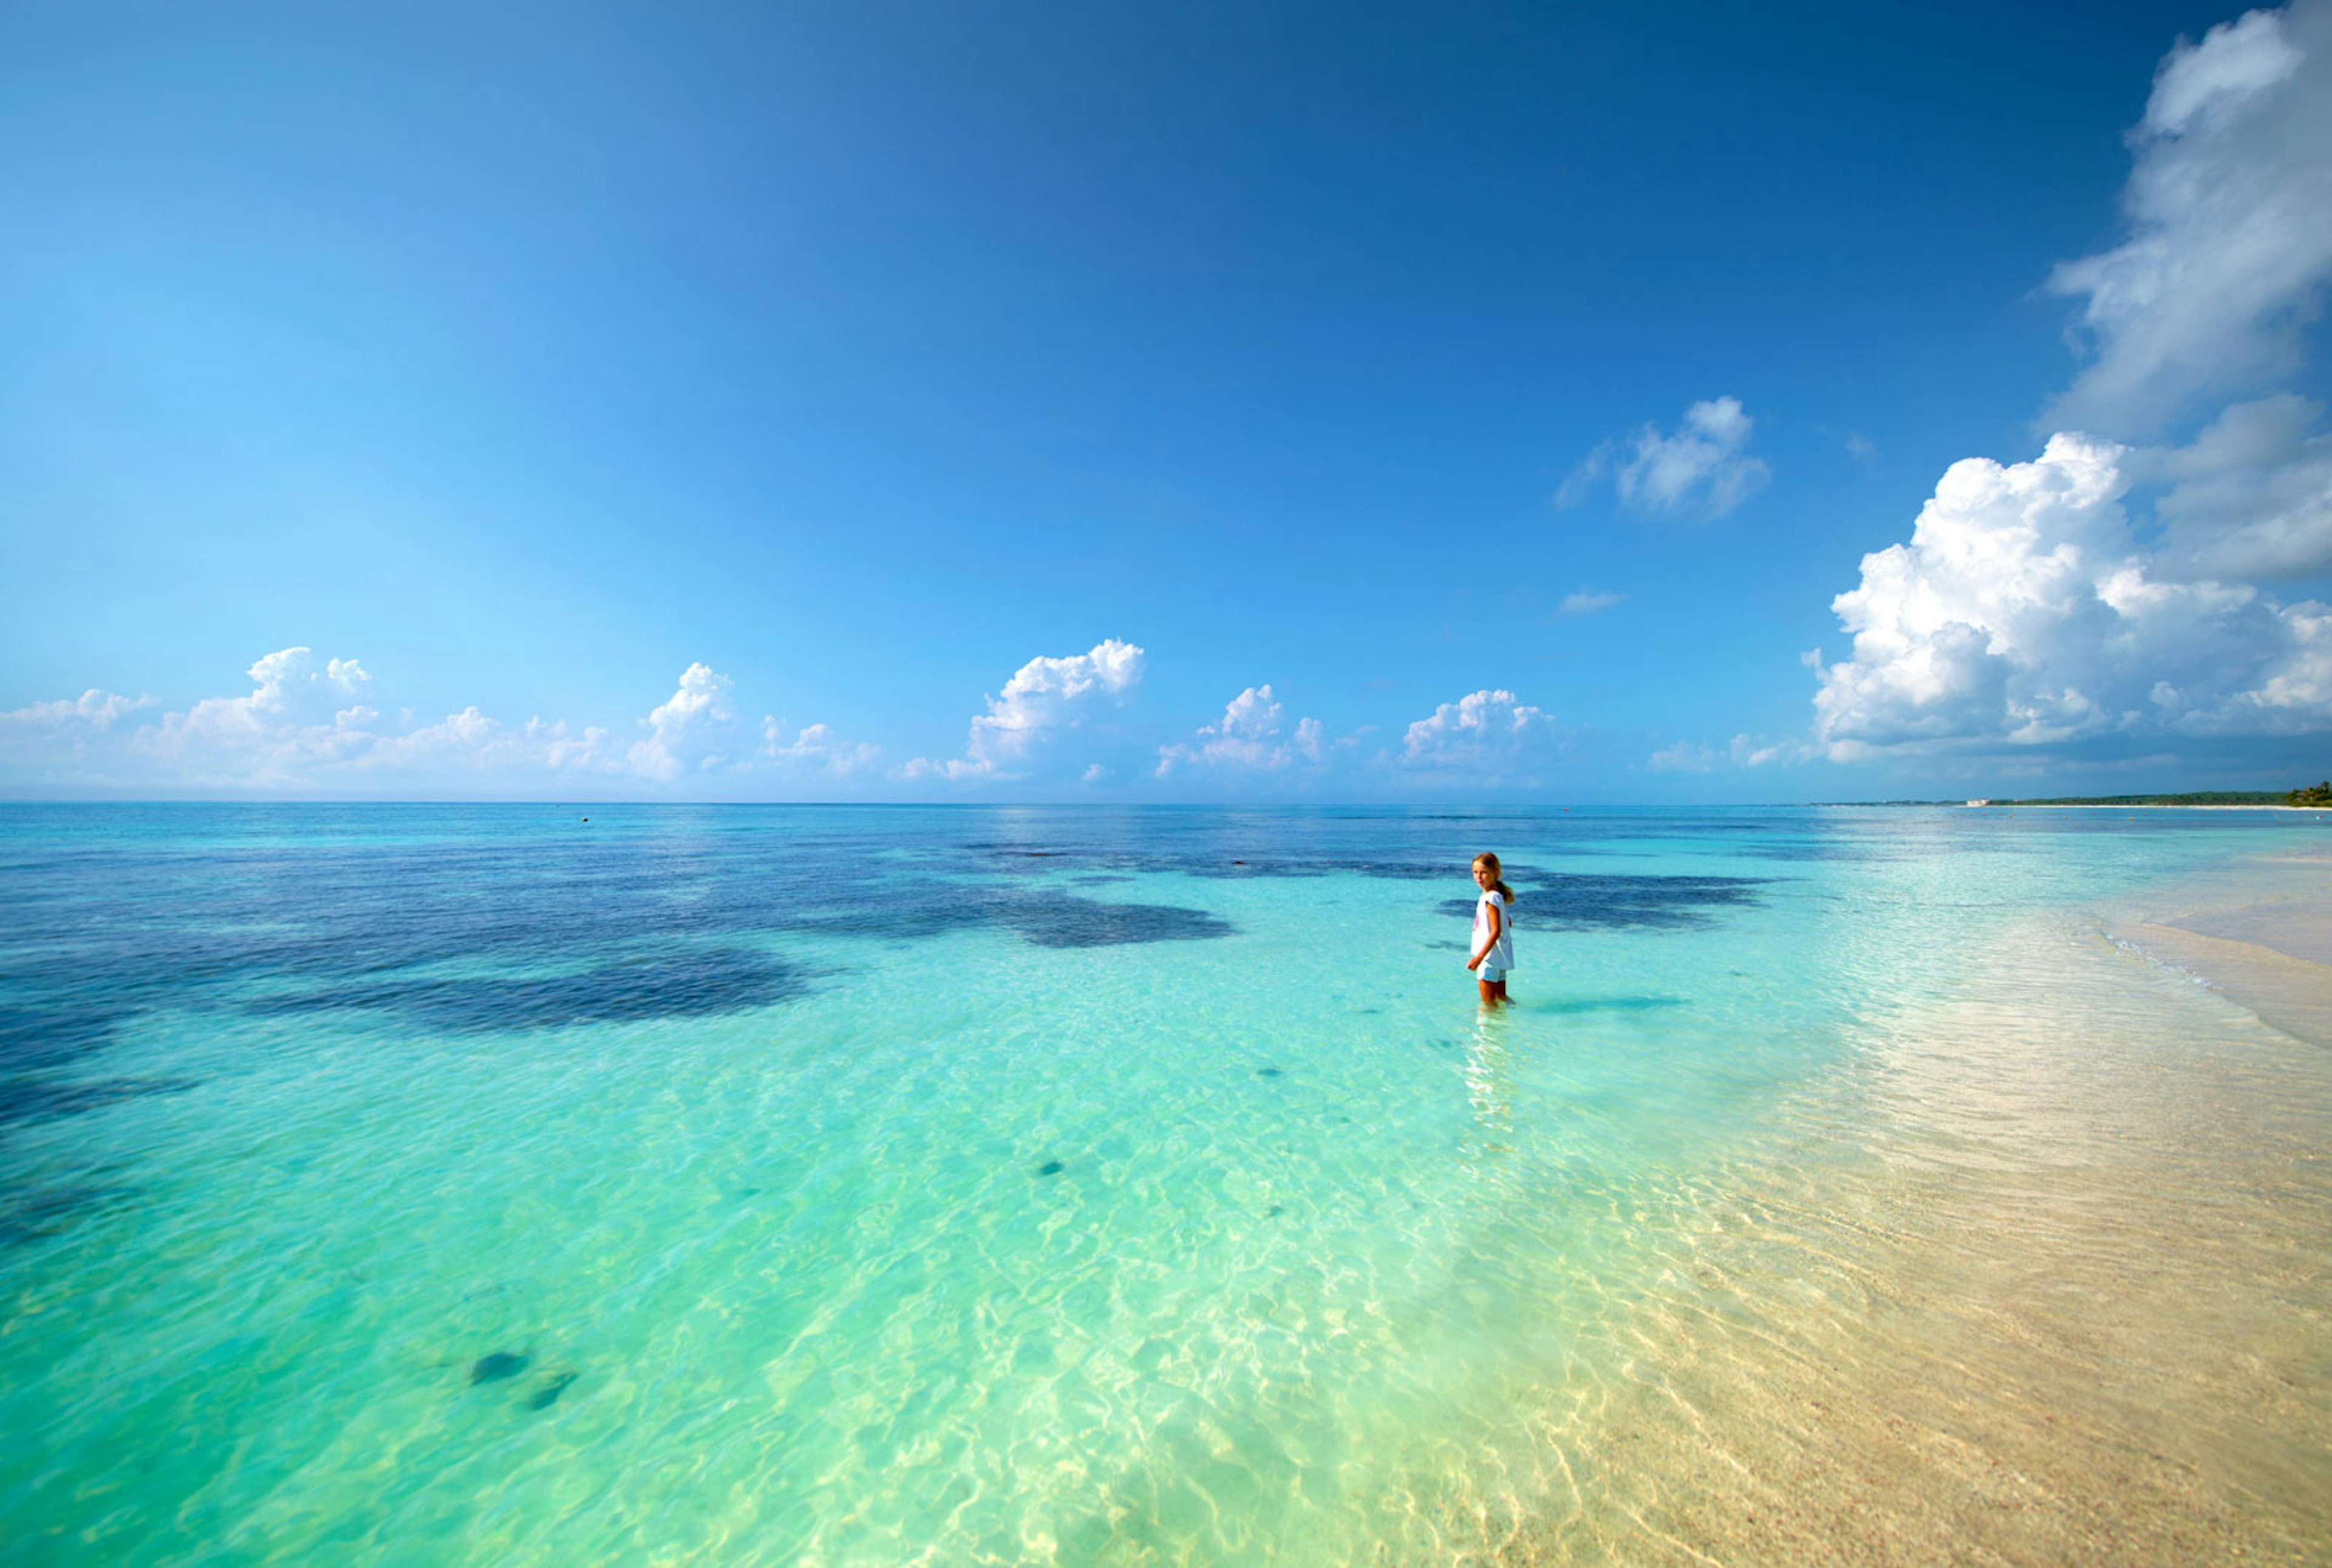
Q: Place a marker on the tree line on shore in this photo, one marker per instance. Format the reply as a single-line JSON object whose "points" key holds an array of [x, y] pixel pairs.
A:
{"points": [[2319, 795], [2305, 795]]}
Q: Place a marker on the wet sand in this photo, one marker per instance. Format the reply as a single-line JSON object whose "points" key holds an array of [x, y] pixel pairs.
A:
{"points": [[2265, 940], [2292, 993]]}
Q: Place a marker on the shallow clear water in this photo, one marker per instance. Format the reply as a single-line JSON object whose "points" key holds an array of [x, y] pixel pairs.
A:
{"points": [[832, 1185]]}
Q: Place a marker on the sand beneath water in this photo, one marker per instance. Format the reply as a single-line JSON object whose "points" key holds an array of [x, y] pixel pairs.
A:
{"points": [[2071, 1302]]}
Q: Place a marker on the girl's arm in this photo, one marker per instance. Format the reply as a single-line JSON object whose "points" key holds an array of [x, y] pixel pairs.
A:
{"points": [[1497, 929]]}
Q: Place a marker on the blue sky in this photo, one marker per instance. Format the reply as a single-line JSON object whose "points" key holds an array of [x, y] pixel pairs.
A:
{"points": [[951, 402]]}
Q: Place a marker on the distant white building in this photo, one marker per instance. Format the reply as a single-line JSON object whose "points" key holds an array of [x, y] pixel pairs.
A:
{"points": [[1979, 802]]}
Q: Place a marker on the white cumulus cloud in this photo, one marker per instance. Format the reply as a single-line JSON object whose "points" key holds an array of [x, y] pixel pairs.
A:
{"points": [[1488, 737], [303, 727], [1045, 697], [2024, 612], [93, 711], [2230, 226], [289, 726], [816, 746], [1252, 733], [692, 730], [2029, 608], [1704, 470]]}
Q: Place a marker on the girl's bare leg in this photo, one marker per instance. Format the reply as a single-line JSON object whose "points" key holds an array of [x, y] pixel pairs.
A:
{"points": [[1493, 993]]}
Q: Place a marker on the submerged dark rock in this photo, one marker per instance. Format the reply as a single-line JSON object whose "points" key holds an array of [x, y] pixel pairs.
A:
{"points": [[1266, 1071], [547, 1394], [497, 1366], [1051, 1168]]}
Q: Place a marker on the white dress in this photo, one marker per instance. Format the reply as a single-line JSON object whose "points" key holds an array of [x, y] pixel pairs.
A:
{"points": [[1501, 956]]}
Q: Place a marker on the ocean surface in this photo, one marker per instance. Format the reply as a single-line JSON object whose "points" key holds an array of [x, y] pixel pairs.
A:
{"points": [[485, 1184]]}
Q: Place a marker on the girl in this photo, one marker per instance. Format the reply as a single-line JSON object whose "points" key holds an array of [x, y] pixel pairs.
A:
{"points": [[1494, 934]]}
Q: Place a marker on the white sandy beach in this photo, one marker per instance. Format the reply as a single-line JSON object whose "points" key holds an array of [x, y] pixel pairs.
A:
{"points": [[2263, 939]]}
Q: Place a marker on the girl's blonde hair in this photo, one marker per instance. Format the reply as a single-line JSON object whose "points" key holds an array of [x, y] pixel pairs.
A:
{"points": [[1487, 858]]}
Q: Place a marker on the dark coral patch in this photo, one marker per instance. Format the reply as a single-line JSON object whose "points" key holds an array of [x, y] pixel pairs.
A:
{"points": [[40, 1036], [1051, 1168], [1608, 903], [29, 1214], [547, 1394], [494, 1367], [1329, 866], [1083, 923], [685, 985], [31, 1099]]}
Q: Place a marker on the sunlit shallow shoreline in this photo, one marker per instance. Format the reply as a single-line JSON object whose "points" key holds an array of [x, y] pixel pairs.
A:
{"points": [[2063, 1304]]}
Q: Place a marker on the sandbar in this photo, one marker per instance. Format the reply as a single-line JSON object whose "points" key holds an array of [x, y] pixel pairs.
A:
{"points": [[2262, 938]]}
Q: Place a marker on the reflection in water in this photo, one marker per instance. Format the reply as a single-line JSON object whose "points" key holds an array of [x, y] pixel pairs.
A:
{"points": [[1486, 1077]]}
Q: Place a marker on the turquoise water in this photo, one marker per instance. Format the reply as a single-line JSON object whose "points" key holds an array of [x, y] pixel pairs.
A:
{"points": [[480, 1184]]}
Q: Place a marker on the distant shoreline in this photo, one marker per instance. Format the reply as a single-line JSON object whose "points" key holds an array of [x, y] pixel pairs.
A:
{"points": [[2077, 805], [2130, 805]]}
